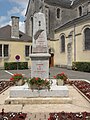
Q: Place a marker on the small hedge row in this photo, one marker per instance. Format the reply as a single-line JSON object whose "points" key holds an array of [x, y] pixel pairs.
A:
{"points": [[81, 66], [15, 65]]}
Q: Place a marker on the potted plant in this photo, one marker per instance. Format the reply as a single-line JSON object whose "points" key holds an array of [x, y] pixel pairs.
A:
{"points": [[38, 83], [61, 78], [18, 79]]}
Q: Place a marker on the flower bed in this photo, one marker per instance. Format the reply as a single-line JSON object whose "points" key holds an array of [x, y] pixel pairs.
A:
{"points": [[38, 83], [69, 116], [41, 116], [83, 87], [18, 79], [62, 77], [5, 85], [12, 116]]}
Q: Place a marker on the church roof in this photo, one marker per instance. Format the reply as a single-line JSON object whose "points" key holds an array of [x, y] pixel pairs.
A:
{"points": [[76, 2], [75, 21], [5, 34], [62, 3]]}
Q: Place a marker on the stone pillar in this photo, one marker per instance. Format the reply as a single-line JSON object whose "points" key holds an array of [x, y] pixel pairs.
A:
{"points": [[40, 55]]}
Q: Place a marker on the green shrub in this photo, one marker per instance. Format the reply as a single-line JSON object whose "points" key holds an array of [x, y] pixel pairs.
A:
{"points": [[15, 65], [81, 66]]}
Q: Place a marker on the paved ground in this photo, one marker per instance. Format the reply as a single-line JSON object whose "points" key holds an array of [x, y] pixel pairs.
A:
{"points": [[41, 111], [53, 71]]}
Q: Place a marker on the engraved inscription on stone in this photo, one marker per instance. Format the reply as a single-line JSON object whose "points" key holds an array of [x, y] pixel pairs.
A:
{"points": [[40, 68]]}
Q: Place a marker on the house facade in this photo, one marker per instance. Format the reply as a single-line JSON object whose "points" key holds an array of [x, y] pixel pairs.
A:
{"points": [[14, 42], [68, 29]]}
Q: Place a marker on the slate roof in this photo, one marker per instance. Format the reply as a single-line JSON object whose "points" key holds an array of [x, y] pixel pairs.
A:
{"points": [[5, 34], [75, 21], [77, 2], [62, 3]]}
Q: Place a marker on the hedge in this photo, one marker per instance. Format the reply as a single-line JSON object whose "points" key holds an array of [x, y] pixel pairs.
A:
{"points": [[81, 66], [15, 65]]}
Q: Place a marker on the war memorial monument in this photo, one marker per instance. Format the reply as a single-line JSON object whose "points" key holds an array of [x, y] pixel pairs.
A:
{"points": [[39, 68]]}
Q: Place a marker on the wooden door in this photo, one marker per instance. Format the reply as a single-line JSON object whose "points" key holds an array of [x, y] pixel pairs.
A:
{"points": [[51, 60]]}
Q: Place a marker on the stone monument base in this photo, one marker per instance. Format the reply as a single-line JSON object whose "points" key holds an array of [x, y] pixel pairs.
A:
{"points": [[24, 95], [25, 92]]}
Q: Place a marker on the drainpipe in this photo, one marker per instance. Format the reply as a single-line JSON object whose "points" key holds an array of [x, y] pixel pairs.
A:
{"points": [[74, 44]]}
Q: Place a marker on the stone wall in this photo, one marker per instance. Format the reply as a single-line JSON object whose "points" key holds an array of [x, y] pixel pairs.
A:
{"points": [[66, 14]]}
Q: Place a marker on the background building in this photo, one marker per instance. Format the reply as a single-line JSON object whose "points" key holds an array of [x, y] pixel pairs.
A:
{"points": [[68, 29], [14, 42]]}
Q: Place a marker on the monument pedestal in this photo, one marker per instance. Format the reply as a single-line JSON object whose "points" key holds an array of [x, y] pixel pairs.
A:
{"points": [[25, 92], [24, 95], [40, 65]]}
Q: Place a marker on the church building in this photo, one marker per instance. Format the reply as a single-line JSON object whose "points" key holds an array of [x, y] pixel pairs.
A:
{"points": [[67, 27]]}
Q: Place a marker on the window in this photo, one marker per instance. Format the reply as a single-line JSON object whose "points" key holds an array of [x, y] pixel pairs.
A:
{"points": [[0, 50], [31, 49], [4, 50], [58, 13], [31, 26], [20, 35], [87, 38], [62, 43], [80, 11], [27, 50], [88, 6]]}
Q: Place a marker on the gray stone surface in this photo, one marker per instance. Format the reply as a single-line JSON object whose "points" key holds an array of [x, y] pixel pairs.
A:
{"points": [[40, 65], [25, 92], [39, 33], [50, 7], [39, 100], [40, 55]]}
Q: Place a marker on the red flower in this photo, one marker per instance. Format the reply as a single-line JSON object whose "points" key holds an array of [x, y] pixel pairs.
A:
{"points": [[61, 76], [55, 77], [62, 73], [39, 82], [11, 79], [36, 78], [16, 77]]}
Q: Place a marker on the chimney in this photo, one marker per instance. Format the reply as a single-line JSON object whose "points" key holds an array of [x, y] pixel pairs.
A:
{"points": [[15, 27]]}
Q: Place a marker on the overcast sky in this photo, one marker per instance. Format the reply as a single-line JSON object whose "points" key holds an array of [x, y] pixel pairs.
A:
{"points": [[10, 8]]}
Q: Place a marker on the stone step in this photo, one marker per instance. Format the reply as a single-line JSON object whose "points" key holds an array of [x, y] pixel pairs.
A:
{"points": [[39, 100]]}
